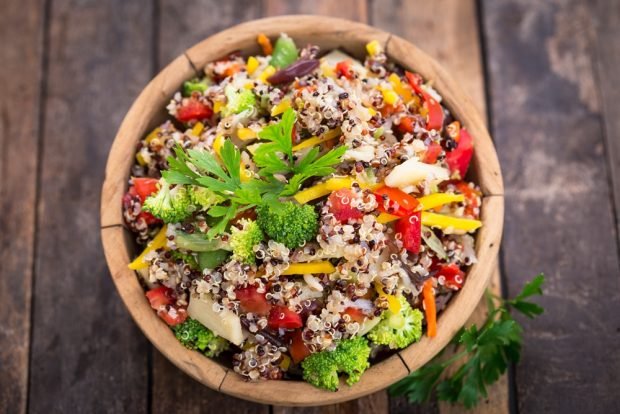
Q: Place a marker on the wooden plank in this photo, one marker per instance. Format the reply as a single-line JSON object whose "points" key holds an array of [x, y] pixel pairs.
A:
{"points": [[87, 354], [20, 77], [352, 10], [548, 131], [182, 25], [607, 47], [453, 40]]}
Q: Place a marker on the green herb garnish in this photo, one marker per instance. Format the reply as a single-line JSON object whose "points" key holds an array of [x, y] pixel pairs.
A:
{"points": [[488, 351]]}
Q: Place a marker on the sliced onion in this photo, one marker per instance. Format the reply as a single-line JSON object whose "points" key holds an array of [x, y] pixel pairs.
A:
{"points": [[433, 242]]}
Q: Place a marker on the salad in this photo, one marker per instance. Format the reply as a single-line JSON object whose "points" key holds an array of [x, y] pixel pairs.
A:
{"points": [[303, 214]]}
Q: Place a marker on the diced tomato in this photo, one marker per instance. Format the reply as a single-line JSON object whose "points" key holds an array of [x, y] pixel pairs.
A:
{"points": [[193, 110], [173, 316], [395, 201], [454, 276], [144, 187], [283, 317], [298, 348], [340, 205], [406, 125], [459, 158], [409, 229], [250, 300], [432, 152], [472, 198], [159, 297], [434, 119], [343, 68], [356, 314]]}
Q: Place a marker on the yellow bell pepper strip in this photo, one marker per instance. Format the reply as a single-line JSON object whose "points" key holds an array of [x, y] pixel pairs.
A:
{"points": [[246, 134], [311, 142], [281, 107], [140, 159], [269, 70], [251, 65], [217, 106], [308, 268], [393, 302], [430, 308], [152, 135], [323, 189], [197, 129], [217, 144], [389, 96], [448, 222], [385, 218], [157, 243], [400, 89], [438, 199], [374, 48]]}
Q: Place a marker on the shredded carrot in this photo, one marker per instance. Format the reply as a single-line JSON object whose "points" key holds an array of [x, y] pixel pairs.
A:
{"points": [[429, 308], [265, 43]]}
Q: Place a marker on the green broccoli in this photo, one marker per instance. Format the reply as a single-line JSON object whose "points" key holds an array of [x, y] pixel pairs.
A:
{"points": [[194, 335], [398, 330], [288, 223], [171, 204], [244, 239], [194, 85], [203, 198], [350, 357], [238, 100]]}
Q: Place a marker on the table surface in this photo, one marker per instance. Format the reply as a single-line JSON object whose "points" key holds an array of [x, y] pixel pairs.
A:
{"points": [[545, 73]]}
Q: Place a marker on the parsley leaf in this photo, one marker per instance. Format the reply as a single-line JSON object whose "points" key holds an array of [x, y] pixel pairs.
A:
{"points": [[488, 350]]}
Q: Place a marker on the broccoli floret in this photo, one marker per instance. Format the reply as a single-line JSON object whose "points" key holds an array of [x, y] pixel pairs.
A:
{"points": [[398, 330], [238, 100], [194, 335], [172, 205], [350, 357], [288, 223], [194, 85], [203, 198], [243, 240]]}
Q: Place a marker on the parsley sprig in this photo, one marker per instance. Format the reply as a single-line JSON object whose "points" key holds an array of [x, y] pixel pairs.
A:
{"points": [[274, 156], [488, 351]]}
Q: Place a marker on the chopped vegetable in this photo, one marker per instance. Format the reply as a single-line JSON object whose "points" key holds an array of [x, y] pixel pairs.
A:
{"points": [[430, 310], [298, 349], [212, 259], [238, 100], [398, 330], [340, 205], [251, 65], [171, 204], [448, 223], [309, 268], [433, 242], [194, 335], [288, 223], [158, 242], [193, 110], [199, 243], [350, 357], [393, 302], [459, 158], [265, 43], [409, 229], [438, 199], [194, 85], [396, 202], [412, 172], [281, 317], [243, 240], [295, 70], [145, 187], [284, 53], [222, 322], [250, 300]]}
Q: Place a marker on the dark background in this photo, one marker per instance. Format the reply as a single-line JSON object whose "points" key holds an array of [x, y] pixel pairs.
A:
{"points": [[547, 72]]}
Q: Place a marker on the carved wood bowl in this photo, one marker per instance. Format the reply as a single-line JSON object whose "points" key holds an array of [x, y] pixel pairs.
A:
{"points": [[148, 111]]}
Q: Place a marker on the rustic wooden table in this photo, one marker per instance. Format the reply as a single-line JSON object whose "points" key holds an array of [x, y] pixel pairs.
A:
{"points": [[545, 73]]}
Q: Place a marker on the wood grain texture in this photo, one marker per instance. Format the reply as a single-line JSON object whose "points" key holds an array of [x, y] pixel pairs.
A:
{"points": [[548, 131], [21, 79], [352, 37], [87, 355], [607, 48], [172, 390]]}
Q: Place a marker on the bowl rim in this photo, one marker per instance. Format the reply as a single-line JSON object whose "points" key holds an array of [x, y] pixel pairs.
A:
{"points": [[328, 32]]}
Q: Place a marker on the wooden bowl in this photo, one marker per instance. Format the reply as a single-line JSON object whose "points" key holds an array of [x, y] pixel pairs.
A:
{"points": [[148, 111]]}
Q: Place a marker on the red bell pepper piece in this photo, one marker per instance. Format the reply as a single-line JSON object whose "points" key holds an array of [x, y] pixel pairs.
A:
{"points": [[410, 230], [340, 205], [459, 158], [145, 187], [132, 194], [252, 301], [283, 317], [453, 275], [298, 348], [343, 68], [431, 154], [395, 201], [161, 300], [356, 314], [192, 109], [406, 125], [434, 118]]}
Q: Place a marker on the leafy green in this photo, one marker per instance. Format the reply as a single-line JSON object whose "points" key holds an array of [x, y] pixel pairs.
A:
{"points": [[488, 351], [212, 259]]}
